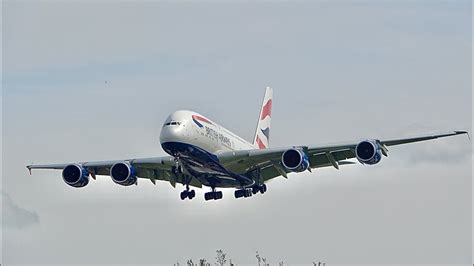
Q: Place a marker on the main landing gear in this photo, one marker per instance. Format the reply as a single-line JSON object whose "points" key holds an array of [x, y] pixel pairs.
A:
{"points": [[262, 189], [215, 195], [247, 192]]}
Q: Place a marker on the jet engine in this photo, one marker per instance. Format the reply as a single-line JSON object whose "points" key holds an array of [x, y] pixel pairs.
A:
{"points": [[76, 175], [295, 160], [368, 152], [123, 174]]}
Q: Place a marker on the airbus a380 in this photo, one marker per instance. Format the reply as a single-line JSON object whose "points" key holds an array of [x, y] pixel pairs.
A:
{"points": [[203, 153]]}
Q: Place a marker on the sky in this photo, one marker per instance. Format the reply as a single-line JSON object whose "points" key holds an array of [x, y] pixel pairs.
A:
{"points": [[90, 81]]}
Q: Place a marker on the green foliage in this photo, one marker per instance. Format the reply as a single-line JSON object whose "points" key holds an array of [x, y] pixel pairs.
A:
{"points": [[262, 261], [221, 257], [203, 262]]}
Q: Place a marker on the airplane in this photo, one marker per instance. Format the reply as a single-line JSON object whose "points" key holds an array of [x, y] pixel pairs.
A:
{"points": [[203, 153]]}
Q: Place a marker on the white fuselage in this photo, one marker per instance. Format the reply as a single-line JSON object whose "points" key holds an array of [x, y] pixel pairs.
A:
{"points": [[191, 128]]}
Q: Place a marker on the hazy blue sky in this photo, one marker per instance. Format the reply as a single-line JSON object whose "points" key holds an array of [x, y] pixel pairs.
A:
{"points": [[95, 81]]}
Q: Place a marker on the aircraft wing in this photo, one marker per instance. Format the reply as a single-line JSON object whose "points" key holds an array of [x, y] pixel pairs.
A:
{"points": [[269, 160], [154, 168]]}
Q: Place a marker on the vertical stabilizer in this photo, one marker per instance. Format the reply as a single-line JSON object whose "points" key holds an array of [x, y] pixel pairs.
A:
{"points": [[261, 139]]}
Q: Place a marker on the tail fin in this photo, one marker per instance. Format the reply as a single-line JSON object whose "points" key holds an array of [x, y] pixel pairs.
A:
{"points": [[262, 133]]}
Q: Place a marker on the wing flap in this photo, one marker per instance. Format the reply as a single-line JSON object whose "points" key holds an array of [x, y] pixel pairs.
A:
{"points": [[322, 159]]}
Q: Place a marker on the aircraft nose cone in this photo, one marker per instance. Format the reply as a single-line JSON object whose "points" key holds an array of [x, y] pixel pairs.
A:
{"points": [[171, 134]]}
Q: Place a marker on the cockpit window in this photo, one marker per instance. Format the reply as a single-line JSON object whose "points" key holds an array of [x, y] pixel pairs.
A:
{"points": [[172, 123]]}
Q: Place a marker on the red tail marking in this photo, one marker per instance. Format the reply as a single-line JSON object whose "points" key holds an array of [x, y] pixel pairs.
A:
{"points": [[260, 143], [266, 110]]}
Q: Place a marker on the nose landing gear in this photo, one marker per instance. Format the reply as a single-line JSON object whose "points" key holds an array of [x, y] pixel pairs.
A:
{"points": [[177, 169], [190, 194]]}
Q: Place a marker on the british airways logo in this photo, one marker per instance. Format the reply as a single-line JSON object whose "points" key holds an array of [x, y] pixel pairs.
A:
{"points": [[198, 119], [262, 138]]}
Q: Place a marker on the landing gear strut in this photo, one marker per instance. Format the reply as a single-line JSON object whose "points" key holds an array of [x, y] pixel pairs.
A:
{"points": [[177, 170], [190, 194], [215, 195]]}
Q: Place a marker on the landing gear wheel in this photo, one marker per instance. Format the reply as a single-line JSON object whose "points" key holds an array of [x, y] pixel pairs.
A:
{"points": [[208, 196], [247, 192], [263, 188], [184, 194], [238, 193], [187, 194], [215, 195], [256, 189], [218, 195]]}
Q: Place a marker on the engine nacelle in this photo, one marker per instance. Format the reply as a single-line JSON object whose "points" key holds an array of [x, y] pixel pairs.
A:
{"points": [[368, 152], [76, 175], [123, 174], [295, 160]]}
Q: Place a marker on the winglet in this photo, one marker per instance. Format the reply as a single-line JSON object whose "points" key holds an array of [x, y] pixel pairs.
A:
{"points": [[459, 132], [29, 168]]}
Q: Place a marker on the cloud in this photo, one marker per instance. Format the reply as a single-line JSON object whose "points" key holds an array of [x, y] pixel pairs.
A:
{"points": [[343, 72], [447, 151], [15, 216]]}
